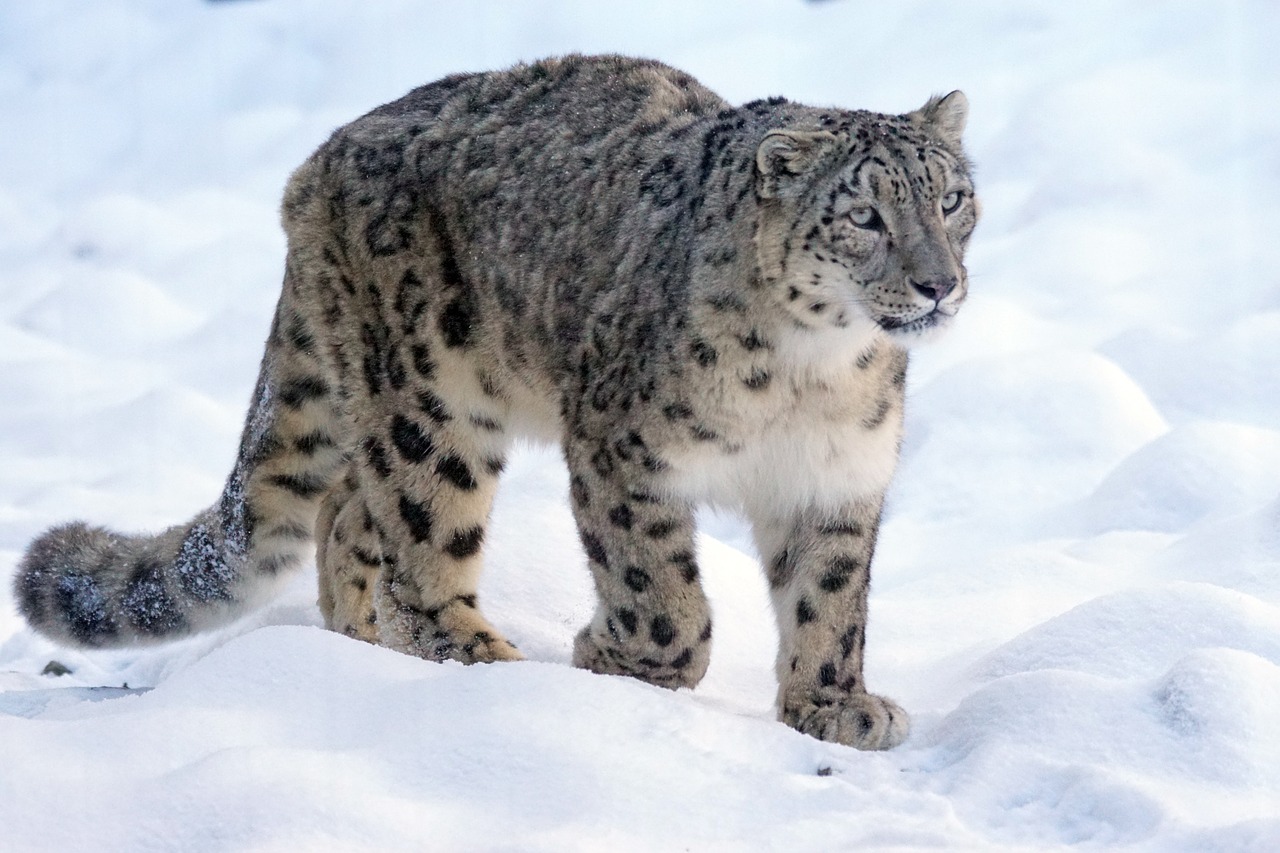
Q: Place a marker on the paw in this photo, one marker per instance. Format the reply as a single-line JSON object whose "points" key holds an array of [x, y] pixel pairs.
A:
{"points": [[364, 628], [671, 668], [860, 720], [450, 633], [352, 614], [471, 647]]}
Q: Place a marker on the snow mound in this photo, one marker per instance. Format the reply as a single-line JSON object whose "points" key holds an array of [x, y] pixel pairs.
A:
{"points": [[1222, 702], [1067, 757], [120, 312], [1194, 471], [1139, 632], [271, 735], [1241, 552], [1034, 430], [1228, 374]]}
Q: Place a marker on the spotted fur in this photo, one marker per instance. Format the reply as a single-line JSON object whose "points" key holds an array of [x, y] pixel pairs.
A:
{"points": [[699, 302]]}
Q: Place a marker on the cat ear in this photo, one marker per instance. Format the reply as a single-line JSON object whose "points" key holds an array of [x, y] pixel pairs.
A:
{"points": [[944, 117], [786, 156]]}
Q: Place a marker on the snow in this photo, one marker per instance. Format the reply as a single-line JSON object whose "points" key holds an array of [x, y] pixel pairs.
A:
{"points": [[1077, 589]]}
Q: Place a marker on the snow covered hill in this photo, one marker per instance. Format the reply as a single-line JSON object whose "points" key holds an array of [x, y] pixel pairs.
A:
{"points": [[1077, 591]]}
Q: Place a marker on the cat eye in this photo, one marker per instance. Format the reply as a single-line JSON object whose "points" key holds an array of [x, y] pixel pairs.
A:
{"points": [[866, 217], [951, 202]]}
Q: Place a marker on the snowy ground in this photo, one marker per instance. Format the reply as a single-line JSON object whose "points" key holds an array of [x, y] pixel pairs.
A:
{"points": [[1077, 593]]}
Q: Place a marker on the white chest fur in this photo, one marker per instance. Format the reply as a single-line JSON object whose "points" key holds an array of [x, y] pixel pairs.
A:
{"points": [[815, 446]]}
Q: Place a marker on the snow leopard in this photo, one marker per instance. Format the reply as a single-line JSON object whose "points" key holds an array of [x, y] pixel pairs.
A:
{"points": [[699, 303]]}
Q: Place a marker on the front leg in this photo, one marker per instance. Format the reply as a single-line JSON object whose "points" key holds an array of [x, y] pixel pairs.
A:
{"points": [[653, 621], [818, 565]]}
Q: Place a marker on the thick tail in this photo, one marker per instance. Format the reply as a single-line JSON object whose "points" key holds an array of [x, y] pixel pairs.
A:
{"points": [[87, 586]]}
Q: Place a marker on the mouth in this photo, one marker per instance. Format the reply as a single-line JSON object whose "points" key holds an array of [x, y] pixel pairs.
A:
{"points": [[934, 321]]}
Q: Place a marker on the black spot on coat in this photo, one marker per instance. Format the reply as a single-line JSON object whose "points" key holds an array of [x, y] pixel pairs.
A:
{"points": [[456, 323], [411, 440], [417, 517], [637, 578], [662, 631], [454, 470], [595, 549], [805, 612], [465, 543]]}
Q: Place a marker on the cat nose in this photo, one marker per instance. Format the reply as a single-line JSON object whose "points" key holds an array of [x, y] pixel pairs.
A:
{"points": [[935, 288]]}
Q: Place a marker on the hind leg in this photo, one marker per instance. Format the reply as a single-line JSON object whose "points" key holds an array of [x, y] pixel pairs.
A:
{"points": [[426, 417], [348, 562], [426, 598], [428, 474]]}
